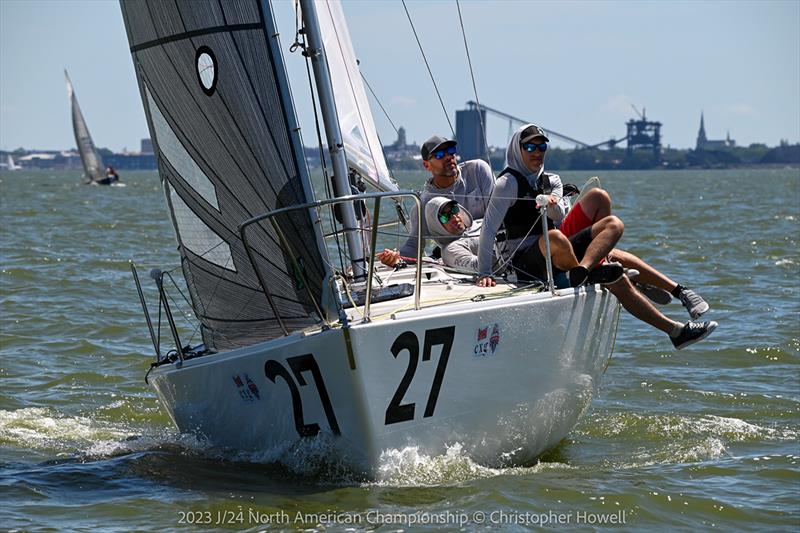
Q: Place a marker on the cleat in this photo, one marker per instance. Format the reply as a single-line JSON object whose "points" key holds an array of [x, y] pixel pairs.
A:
{"points": [[693, 332], [693, 303]]}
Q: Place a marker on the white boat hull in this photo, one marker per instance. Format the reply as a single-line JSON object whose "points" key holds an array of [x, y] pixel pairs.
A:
{"points": [[518, 374]]}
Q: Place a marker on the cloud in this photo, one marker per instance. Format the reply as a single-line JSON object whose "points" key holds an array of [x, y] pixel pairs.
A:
{"points": [[743, 110], [404, 101]]}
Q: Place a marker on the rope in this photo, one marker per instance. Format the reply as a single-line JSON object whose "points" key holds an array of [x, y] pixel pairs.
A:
{"points": [[430, 72], [474, 86]]}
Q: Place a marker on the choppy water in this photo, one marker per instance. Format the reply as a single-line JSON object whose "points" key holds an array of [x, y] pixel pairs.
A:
{"points": [[698, 439]]}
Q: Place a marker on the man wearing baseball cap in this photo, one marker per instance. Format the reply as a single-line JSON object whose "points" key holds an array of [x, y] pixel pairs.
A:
{"points": [[469, 183]]}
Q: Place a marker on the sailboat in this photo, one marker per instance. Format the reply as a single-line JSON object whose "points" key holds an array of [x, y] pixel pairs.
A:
{"points": [[304, 338], [11, 164], [93, 167]]}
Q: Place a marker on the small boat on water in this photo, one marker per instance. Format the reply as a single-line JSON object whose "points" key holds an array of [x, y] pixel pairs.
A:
{"points": [[304, 336], [10, 164], [93, 168]]}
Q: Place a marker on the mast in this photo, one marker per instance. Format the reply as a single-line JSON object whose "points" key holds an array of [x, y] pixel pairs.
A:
{"points": [[333, 134]]}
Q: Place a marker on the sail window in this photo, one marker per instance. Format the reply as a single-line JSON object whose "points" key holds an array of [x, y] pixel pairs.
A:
{"points": [[206, 69], [196, 236]]}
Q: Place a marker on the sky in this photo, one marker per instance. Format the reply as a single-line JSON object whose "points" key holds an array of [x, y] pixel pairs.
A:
{"points": [[573, 67]]}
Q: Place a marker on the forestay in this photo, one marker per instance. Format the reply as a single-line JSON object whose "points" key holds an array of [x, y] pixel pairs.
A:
{"points": [[362, 146], [92, 162], [223, 126]]}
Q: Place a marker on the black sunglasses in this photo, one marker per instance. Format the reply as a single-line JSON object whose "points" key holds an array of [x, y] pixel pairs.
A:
{"points": [[439, 154], [445, 216], [531, 147]]}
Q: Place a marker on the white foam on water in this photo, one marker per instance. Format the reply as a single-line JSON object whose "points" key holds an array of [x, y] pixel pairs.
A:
{"points": [[409, 467], [45, 429]]}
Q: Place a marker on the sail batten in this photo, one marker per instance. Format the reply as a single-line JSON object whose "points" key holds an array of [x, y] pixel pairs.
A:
{"points": [[212, 84]]}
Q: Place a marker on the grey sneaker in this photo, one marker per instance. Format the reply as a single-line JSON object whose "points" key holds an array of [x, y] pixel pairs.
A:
{"points": [[693, 303], [693, 332]]}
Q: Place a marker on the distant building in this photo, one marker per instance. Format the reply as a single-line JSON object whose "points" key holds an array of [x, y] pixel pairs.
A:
{"points": [[470, 124], [400, 144], [147, 146], [703, 143]]}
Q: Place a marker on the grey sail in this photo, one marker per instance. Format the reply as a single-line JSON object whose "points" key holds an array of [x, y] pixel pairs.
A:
{"points": [[93, 165], [220, 114]]}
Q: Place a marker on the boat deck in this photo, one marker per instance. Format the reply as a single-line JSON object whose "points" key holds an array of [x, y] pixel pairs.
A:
{"points": [[439, 286]]}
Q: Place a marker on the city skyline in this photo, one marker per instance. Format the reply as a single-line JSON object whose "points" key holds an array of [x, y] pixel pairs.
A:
{"points": [[578, 70]]}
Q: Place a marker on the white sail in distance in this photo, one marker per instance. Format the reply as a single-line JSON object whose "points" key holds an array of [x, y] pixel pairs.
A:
{"points": [[362, 146], [93, 165]]}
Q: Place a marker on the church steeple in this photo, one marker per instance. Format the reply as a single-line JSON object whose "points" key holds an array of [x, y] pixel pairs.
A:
{"points": [[701, 135]]}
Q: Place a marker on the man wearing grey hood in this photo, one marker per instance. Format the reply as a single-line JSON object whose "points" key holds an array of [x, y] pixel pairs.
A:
{"points": [[469, 183], [512, 205], [451, 226]]}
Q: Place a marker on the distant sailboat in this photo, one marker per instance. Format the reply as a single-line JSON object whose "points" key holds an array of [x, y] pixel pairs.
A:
{"points": [[93, 166], [11, 164]]}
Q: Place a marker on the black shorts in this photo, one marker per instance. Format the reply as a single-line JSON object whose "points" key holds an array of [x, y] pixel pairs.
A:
{"points": [[530, 264]]}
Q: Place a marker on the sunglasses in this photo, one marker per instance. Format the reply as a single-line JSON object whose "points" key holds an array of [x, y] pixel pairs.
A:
{"points": [[531, 147], [445, 217], [439, 154]]}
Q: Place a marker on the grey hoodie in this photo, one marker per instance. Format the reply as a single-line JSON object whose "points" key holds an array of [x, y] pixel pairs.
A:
{"points": [[503, 197], [457, 251]]}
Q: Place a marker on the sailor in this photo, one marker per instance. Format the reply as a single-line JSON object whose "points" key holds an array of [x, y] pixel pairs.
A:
{"points": [[593, 207], [111, 175], [512, 205], [469, 183]]}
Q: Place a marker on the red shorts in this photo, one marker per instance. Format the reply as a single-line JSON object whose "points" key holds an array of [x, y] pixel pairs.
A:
{"points": [[575, 221]]}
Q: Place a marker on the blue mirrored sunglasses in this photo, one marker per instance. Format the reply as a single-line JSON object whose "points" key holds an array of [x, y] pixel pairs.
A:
{"points": [[445, 217], [439, 154], [531, 147]]}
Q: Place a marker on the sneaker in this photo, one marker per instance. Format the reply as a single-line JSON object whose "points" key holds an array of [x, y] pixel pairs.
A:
{"points": [[693, 332], [632, 274], [654, 294], [693, 303], [577, 276], [605, 273]]}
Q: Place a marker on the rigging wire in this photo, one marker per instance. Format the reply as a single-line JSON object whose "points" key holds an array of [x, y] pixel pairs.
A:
{"points": [[430, 72], [379, 102], [325, 176], [474, 87]]}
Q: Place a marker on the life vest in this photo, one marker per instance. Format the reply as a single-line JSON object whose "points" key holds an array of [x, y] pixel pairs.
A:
{"points": [[522, 218]]}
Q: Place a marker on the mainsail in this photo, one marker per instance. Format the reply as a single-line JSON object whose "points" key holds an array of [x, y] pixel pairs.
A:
{"points": [[362, 146], [92, 162], [224, 130]]}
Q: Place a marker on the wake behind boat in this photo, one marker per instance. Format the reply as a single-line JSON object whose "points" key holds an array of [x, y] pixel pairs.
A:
{"points": [[303, 335]]}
